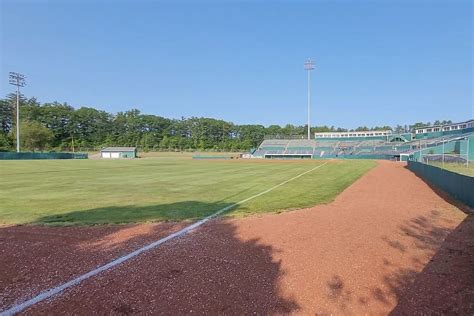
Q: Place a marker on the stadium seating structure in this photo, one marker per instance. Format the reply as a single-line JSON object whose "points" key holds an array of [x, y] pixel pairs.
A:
{"points": [[393, 147]]}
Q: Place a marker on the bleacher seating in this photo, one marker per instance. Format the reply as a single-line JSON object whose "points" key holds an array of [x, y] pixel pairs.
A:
{"points": [[285, 147], [326, 148]]}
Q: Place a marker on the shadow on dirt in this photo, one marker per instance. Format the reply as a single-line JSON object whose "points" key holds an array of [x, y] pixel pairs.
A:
{"points": [[439, 280], [445, 285], [215, 271]]}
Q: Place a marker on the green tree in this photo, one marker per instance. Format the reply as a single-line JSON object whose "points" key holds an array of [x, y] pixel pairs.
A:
{"points": [[418, 125], [6, 143], [34, 136], [6, 116], [399, 129]]}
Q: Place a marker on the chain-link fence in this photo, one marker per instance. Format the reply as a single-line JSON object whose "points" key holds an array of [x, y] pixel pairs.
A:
{"points": [[436, 159], [453, 162], [455, 154]]}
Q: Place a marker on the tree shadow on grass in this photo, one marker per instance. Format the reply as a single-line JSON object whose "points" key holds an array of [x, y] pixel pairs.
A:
{"points": [[135, 213], [211, 270], [121, 214]]}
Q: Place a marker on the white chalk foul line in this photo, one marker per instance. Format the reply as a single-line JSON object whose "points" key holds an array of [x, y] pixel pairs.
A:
{"points": [[56, 290]]}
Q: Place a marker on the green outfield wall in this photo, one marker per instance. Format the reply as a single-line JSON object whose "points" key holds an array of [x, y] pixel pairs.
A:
{"points": [[460, 187], [33, 155]]}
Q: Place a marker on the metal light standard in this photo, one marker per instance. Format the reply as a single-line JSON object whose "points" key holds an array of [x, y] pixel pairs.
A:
{"points": [[17, 80], [308, 66]]}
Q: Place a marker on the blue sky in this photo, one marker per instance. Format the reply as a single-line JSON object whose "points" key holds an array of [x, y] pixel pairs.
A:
{"points": [[377, 62]]}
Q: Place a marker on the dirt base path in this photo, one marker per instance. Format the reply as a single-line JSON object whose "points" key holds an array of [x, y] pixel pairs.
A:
{"points": [[388, 244]]}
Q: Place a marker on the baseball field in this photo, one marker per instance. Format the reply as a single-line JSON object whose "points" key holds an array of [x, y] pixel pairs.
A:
{"points": [[345, 237]]}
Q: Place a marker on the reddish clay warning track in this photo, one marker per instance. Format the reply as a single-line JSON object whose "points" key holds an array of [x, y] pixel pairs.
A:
{"points": [[389, 243], [36, 258]]}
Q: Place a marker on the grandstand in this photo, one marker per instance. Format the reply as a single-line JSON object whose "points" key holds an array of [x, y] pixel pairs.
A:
{"points": [[285, 148], [437, 131], [461, 144], [373, 144]]}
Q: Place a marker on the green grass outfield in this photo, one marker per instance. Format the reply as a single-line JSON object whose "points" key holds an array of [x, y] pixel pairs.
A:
{"points": [[67, 192]]}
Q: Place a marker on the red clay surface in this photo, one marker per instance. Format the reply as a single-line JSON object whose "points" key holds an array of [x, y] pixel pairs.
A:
{"points": [[388, 244], [35, 258]]}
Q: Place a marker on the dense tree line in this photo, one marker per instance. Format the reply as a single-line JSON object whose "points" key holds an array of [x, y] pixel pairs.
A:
{"points": [[59, 126]]}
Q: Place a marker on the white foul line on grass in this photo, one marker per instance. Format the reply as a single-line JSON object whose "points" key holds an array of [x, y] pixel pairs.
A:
{"points": [[56, 290]]}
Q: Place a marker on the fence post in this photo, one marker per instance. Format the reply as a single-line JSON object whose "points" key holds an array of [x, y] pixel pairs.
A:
{"points": [[419, 146], [443, 153], [467, 153]]}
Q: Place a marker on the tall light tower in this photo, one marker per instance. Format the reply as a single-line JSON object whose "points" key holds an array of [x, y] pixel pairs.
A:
{"points": [[17, 80], [308, 66]]}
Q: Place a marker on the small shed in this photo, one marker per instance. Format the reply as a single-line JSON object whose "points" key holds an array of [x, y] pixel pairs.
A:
{"points": [[118, 152]]}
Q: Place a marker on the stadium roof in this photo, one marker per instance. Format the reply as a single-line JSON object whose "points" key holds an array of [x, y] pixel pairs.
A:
{"points": [[119, 149]]}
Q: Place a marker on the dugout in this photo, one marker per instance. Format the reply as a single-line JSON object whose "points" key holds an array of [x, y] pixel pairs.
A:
{"points": [[118, 152]]}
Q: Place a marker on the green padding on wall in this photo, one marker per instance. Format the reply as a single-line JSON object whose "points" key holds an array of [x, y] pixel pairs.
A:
{"points": [[29, 155], [459, 186]]}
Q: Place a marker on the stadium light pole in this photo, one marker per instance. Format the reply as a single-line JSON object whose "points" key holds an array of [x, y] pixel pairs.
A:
{"points": [[308, 66], [17, 80]]}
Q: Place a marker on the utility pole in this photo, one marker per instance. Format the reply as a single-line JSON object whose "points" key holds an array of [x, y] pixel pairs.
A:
{"points": [[17, 80], [308, 66]]}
